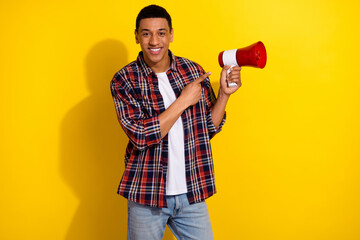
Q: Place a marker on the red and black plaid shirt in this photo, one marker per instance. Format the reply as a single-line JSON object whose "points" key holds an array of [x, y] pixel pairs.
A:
{"points": [[138, 103]]}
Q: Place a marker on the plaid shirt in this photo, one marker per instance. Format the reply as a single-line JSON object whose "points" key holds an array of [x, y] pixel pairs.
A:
{"points": [[138, 103]]}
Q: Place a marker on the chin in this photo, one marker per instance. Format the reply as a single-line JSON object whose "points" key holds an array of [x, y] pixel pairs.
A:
{"points": [[155, 59]]}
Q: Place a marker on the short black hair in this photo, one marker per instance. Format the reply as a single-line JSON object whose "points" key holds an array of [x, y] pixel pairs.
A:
{"points": [[153, 11]]}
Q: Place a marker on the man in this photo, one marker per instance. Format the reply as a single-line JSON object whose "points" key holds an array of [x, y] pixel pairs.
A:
{"points": [[166, 106]]}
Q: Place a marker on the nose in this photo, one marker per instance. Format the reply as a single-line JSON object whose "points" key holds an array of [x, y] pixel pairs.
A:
{"points": [[154, 40]]}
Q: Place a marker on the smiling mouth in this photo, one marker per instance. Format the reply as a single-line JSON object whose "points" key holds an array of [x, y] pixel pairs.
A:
{"points": [[154, 50]]}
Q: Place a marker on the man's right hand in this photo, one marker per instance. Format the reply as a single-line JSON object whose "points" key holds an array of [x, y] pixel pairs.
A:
{"points": [[191, 93]]}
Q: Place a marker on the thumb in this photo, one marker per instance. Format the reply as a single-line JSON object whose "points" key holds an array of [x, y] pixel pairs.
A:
{"points": [[224, 71], [202, 77], [227, 67]]}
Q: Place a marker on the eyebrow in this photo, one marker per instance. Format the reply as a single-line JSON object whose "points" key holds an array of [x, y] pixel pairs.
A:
{"points": [[160, 29]]}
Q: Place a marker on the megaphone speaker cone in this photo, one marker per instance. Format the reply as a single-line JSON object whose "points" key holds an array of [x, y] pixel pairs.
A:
{"points": [[253, 55]]}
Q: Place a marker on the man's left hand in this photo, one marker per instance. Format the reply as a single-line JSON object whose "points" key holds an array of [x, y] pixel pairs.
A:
{"points": [[233, 76]]}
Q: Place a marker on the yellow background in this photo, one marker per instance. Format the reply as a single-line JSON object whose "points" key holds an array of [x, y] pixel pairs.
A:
{"points": [[287, 160]]}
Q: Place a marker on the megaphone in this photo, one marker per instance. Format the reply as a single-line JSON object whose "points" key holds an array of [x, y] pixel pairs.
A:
{"points": [[253, 56]]}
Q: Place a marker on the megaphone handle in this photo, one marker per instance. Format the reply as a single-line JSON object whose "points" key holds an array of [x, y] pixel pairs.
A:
{"points": [[231, 84]]}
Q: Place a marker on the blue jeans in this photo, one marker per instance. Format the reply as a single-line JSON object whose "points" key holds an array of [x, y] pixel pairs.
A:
{"points": [[184, 220]]}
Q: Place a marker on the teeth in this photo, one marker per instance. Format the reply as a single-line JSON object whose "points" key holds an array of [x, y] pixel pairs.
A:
{"points": [[155, 49]]}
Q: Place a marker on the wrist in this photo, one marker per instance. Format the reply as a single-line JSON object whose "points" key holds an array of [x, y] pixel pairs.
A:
{"points": [[222, 94], [181, 104]]}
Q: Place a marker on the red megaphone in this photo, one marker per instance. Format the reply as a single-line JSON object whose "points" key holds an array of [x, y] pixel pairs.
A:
{"points": [[253, 55]]}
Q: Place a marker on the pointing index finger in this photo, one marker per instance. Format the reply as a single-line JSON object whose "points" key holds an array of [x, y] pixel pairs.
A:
{"points": [[202, 77]]}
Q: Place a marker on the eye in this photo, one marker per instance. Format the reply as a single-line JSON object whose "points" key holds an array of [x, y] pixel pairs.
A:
{"points": [[162, 33], [145, 34]]}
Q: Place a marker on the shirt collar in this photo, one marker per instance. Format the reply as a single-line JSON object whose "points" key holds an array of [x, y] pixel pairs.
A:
{"points": [[147, 70]]}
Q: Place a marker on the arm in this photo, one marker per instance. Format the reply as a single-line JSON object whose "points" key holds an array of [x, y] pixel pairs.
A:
{"points": [[189, 96], [142, 131], [225, 92]]}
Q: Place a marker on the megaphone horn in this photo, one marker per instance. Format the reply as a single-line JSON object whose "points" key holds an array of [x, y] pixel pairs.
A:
{"points": [[253, 55]]}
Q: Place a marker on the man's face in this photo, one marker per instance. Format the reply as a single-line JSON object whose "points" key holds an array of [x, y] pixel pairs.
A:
{"points": [[154, 36]]}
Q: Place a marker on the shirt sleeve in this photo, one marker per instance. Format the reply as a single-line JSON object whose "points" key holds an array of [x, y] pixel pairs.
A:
{"points": [[143, 132], [210, 100]]}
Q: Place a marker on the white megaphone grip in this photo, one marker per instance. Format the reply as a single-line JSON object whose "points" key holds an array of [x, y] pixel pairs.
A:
{"points": [[230, 84], [229, 58]]}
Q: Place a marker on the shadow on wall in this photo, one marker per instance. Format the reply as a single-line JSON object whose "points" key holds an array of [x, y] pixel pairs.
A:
{"points": [[92, 151]]}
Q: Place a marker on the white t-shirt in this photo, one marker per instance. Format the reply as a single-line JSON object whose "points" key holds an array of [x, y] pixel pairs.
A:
{"points": [[176, 177]]}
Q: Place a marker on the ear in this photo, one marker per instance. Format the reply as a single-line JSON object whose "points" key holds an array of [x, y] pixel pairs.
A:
{"points": [[136, 37], [172, 35]]}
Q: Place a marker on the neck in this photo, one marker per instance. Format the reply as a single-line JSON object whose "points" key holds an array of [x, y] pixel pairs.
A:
{"points": [[159, 67]]}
